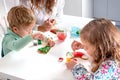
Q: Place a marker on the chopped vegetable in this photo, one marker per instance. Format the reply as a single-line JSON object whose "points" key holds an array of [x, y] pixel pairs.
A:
{"points": [[44, 49], [60, 59], [56, 30]]}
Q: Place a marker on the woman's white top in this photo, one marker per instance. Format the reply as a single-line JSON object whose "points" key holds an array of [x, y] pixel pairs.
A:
{"points": [[41, 14]]}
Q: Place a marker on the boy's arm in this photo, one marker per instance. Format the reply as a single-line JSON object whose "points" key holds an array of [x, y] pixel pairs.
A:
{"points": [[20, 43]]}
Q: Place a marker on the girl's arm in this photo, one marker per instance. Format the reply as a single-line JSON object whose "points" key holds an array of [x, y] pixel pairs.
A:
{"points": [[81, 73]]}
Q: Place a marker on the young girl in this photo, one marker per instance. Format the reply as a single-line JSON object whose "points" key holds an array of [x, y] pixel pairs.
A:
{"points": [[21, 21], [47, 12], [101, 40]]}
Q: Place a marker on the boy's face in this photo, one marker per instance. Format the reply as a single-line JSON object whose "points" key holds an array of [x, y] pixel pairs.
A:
{"points": [[88, 47], [24, 30]]}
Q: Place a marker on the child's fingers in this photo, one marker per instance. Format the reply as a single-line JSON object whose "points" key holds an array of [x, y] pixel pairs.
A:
{"points": [[50, 42], [38, 36], [76, 45], [71, 64], [41, 37]]}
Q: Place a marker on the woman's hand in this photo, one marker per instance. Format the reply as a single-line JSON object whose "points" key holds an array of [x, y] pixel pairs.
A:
{"points": [[48, 24], [76, 45]]}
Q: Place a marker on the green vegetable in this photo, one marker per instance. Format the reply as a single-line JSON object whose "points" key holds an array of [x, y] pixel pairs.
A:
{"points": [[77, 32], [44, 49], [39, 42]]}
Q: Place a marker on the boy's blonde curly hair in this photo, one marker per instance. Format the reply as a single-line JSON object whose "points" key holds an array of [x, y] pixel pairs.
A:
{"points": [[20, 16]]}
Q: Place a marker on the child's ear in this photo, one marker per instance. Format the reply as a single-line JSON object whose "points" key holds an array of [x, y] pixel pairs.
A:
{"points": [[14, 29]]}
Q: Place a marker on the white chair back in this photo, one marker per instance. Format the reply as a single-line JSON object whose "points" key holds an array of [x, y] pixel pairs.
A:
{"points": [[3, 30]]}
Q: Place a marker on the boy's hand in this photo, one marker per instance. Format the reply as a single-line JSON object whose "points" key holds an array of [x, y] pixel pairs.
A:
{"points": [[38, 36], [50, 42]]}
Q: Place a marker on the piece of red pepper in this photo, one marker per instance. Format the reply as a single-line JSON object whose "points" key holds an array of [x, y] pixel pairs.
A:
{"points": [[78, 54], [56, 30]]}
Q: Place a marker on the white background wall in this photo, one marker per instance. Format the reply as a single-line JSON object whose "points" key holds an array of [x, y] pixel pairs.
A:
{"points": [[82, 8], [87, 8], [73, 7], [5, 5]]}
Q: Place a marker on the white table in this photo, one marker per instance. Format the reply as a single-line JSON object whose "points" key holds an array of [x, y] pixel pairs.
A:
{"points": [[28, 64], [70, 21]]}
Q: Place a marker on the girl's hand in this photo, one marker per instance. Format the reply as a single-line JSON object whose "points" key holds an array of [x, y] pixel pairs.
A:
{"points": [[38, 36], [50, 42], [76, 45], [71, 64]]}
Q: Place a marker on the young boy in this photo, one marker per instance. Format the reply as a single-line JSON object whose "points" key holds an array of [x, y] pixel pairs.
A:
{"points": [[21, 21]]}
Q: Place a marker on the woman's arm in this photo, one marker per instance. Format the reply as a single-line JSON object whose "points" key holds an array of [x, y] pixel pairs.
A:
{"points": [[26, 3], [60, 5]]}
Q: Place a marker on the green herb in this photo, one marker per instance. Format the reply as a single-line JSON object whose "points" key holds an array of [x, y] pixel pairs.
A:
{"points": [[77, 32], [44, 49], [39, 42]]}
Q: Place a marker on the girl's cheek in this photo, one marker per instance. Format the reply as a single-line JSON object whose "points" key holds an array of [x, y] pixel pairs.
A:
{"points": [[88, 52]]}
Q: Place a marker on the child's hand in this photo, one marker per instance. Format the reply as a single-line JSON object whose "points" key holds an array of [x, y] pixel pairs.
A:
{"points": [[50, 42], [38, 36], [76, 45], [71, 64]]}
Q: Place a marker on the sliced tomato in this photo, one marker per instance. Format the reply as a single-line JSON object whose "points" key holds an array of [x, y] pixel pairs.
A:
{"points": [[61, 35]]}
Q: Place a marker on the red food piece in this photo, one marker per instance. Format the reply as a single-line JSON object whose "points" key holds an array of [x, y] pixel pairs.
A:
{"points": [[78, 54], [56, 30], [53, 31], [60, 59], [61, 35]]}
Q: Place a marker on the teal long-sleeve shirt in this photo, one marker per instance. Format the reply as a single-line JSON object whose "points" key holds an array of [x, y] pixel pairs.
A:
{"points": [[12, 41]]}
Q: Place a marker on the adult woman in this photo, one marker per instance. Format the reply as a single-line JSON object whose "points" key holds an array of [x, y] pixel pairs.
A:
{"points": [[47, 12]]}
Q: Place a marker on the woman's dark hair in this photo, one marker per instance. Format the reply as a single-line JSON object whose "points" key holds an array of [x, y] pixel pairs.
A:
{"points": [[48, 4]]}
